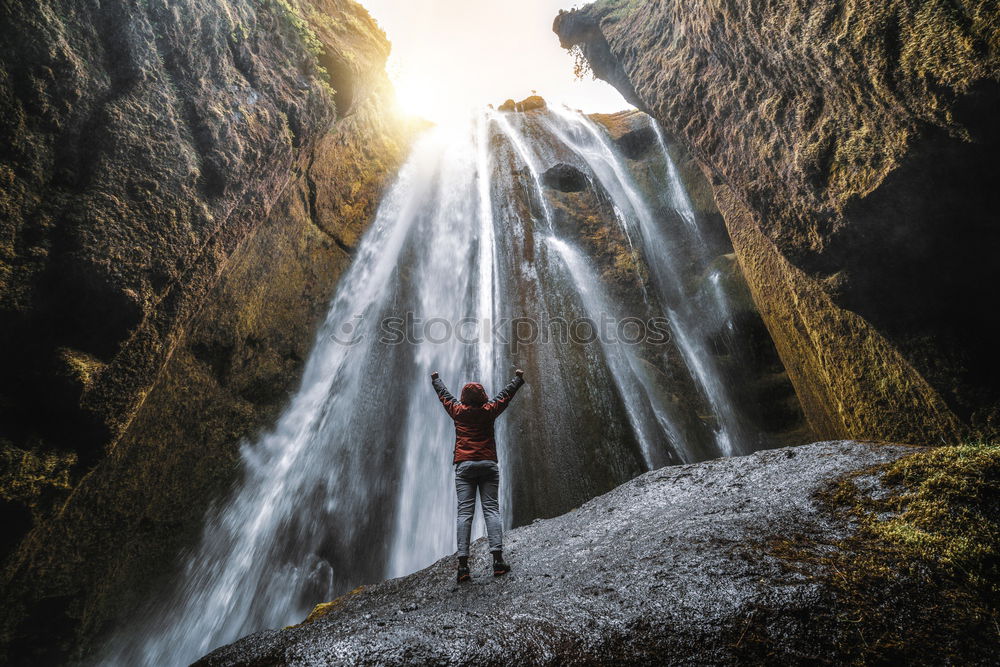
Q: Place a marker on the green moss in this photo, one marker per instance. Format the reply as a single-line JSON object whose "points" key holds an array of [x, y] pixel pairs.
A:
{"points": [[295, 19], [919, 579], [83, 368], [942, 513], [616, 10], [321, 610], [292, 14], [238, 34], [617, 262]]}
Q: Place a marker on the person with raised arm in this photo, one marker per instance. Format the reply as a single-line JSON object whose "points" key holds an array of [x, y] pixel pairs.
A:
{"points": [[476, 465]]}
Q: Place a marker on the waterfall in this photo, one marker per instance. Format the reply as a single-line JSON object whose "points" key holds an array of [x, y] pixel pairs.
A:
{"points": [[354, 483], [629, 377], [660, 241]]}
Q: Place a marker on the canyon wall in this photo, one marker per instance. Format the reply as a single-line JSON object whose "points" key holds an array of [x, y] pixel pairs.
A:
{"points": [[183, 184], [851, 149]]}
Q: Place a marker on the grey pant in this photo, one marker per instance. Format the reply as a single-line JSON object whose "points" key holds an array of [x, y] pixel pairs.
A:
{"points": [[485, 476]]}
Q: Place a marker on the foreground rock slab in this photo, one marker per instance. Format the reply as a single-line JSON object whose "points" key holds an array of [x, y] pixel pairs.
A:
{"points": [[670, 567]]}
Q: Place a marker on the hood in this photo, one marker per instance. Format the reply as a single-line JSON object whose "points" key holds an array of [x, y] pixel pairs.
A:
{"points": [[474, 394]]}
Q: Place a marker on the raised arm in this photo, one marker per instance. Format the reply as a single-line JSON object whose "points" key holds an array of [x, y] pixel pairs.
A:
{"points": [[502, 400], [447, 400]]}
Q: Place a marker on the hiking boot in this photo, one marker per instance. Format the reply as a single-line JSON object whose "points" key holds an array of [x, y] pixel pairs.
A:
{"points": [[463, 575], [500, 568]]}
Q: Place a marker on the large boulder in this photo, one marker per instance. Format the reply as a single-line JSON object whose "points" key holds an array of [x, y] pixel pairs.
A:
{"points": [[851, 148], [530, 103]]}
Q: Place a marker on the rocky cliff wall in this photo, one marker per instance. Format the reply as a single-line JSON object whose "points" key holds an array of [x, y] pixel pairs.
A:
{"points": [[851, 149], [183, 183]]}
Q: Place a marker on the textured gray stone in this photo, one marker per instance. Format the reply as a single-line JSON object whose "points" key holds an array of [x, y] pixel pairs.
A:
{"points": [[666, 568]]}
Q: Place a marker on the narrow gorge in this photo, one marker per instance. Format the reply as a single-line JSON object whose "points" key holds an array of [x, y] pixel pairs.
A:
{"points": [[230, 263]]}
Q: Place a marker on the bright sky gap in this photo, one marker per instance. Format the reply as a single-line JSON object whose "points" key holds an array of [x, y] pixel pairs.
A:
{"points": [[450, 55]]}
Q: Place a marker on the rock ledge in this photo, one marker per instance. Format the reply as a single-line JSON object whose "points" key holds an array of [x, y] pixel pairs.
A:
{"points": [[669, 566]]}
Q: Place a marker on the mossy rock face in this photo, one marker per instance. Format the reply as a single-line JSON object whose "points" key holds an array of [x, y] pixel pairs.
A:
{"points": [[859, 197], [182, 187], [32, 484], [620, 123], [919, 580]]}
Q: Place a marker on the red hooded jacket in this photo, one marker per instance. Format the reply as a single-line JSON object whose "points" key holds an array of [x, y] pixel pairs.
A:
{"points": [[474, 416]]}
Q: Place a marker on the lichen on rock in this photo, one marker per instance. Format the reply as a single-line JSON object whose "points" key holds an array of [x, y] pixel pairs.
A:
{"points": [[919, 575]]}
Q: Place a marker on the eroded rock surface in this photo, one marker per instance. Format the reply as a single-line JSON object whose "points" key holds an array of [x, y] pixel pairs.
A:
{"points": [[671, 567], [851, 148]]}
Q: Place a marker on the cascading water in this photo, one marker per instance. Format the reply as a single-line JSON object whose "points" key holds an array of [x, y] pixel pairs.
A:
{"points": [[354, 482], [659, 242]]}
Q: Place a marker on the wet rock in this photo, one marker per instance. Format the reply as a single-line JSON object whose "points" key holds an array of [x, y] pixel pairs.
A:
{"points": [[670, 566], [723, 275], [740, 342], [635, 144], [601, 428], [565, 178]]}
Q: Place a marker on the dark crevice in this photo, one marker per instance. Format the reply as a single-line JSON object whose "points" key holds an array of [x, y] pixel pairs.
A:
{"points": [[918, 258], [636, 144], [311, 209], [565, 178], [242, 61], [342, 82]]}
